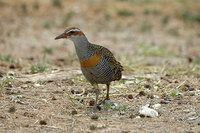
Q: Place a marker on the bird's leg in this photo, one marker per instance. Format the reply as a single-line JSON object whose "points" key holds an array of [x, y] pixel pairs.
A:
{"points": [[107, 95], [97, 93]]}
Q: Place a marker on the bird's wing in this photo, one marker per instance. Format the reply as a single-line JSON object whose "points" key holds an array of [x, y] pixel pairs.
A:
{"points": [[115, 65]]}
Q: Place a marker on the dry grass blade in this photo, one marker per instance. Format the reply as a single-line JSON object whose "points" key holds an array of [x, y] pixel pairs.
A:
{"points": [[70, 98]]}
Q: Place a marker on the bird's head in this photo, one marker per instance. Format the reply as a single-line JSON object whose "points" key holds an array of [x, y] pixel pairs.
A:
{"points": [[71, 33]]}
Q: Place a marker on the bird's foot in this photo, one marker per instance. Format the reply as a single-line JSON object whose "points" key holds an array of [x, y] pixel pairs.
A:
{"points": [[104, 101], [96, 108]]}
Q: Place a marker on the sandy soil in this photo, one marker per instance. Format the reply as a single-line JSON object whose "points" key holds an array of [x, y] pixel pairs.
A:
{"points": [[43, 90]]}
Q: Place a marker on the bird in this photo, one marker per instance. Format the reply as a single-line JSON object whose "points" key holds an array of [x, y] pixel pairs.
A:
{"points": [[98, 64]]}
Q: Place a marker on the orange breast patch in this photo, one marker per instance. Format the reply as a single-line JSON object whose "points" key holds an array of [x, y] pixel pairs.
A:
{"points": [[92, 62]]}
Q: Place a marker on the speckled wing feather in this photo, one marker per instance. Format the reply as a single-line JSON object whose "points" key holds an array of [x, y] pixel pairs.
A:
{"points": [[115, 65]]}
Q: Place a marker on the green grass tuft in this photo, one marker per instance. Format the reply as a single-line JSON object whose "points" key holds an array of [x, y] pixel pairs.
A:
{"points": [[24, 7], [48, 50], [6, 81], [165, 20], [151, 50], [57, 3], [151, 12], [38, 68], [67, 18], [125, 13], [46, 24], [7, 58], [190, 16], [36, 5], [174, 32], [174, 92], [145, 27]]}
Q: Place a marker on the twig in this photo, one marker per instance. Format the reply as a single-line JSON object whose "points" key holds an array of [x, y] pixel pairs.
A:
{"points": [[81, 93], [164, 67], [181, 84], [54, 127], [73, 123]]}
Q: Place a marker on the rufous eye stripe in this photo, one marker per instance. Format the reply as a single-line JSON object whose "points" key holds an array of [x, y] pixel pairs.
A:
{"points": [[80, 33], [92, 62]]}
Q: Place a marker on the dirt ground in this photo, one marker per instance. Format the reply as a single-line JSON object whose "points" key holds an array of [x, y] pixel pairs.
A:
{"points": [[43, 90]]}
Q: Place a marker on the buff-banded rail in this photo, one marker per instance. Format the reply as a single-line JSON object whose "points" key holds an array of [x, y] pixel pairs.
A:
{"points": [[98, 64]]}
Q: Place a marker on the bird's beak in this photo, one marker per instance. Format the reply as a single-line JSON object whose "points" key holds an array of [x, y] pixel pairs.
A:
{"points": [[63, 35]]}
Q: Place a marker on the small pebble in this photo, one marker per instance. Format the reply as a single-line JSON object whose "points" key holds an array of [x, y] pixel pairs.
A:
{"points": [[74, 112], [92, 102], [12, 66], [12, 109], [147, 86], [51, 80], [190, 59], [2, 73], [72, 91], [141, 116], [142, 93], [130, 96], [94, 117], [26, 125], [163, 102], [20, 102], [150, 96], [24, 86], [132, 116], [27, 82], [11, 73], [78, 92], [191, 89], [53, 98], [92, 127], [43, 122], [122, 113]]}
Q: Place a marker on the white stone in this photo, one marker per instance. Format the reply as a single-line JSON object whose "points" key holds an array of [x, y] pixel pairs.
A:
{"points": [[36, 85], [156, 106], [137, 117], [146, 111], [192, 118], [156, 96]]}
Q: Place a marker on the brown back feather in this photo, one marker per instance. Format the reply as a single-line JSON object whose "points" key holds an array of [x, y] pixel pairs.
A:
{"points": [[115, 65]]}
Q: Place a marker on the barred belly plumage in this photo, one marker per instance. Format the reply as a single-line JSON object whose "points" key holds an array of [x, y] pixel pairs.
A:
{"points": [[101, 73]]}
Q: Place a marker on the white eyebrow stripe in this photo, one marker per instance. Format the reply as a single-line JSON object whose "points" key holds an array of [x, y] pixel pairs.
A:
{"points": [[73, 30]]}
